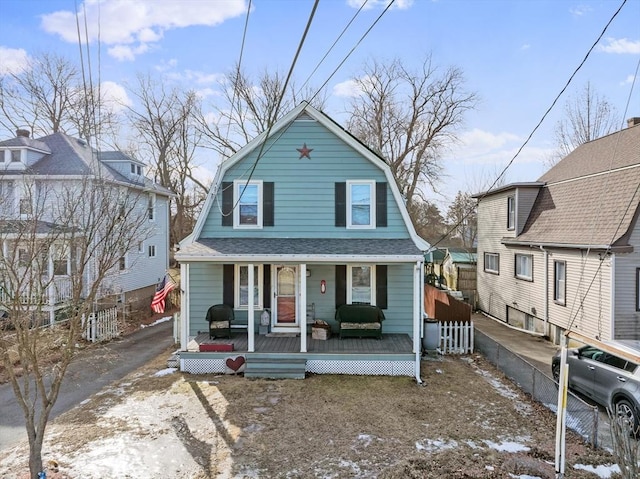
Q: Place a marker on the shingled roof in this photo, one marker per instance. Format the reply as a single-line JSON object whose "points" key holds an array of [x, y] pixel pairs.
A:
{"points": [[591, 197]]}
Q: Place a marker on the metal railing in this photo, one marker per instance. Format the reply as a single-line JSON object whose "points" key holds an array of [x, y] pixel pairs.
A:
{"points": [[582, 418]]}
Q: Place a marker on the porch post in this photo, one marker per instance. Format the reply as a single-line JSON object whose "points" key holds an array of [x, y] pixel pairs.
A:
{"points": [[184, 306], [302, 307], [418, 305], [251, 327]]}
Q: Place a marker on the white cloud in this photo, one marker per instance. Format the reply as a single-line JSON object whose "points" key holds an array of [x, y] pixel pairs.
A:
{"points": [[580, 10], [620, 45], [13, 60], [121, 23], [399, 4], [351, 88], [115, 96], [628, 81]]}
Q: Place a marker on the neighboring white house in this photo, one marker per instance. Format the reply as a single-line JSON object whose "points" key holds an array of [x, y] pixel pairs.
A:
{"points": [[32, 171], [564, 252]]}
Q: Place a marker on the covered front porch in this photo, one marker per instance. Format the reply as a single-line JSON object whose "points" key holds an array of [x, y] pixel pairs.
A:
{"points": [[279, 355]]}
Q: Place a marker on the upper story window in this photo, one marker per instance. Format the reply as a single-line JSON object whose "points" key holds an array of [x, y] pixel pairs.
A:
{"points": [[152, 251], [151, 206], [361, 204], [524, 266], [16, 156], [559, 281], [122, 263], [136, 169], [361, 286], [2, 156], [637, 289], [61, 261], [492, 263], [247, 212], [511, 212], [25, 206]]}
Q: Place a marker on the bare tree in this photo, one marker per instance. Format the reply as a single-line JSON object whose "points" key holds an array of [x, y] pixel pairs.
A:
{"points": [[409, 118], [463, 219], [587, 116], [55, 256], [166, 122], [51, 96], [248, 108]]}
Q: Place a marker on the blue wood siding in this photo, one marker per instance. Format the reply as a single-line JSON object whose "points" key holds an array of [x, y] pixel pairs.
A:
{"points": [[304, 188]]}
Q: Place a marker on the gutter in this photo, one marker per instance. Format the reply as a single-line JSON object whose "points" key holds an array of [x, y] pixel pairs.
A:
{"points": [[303, 258], [606, 247]]}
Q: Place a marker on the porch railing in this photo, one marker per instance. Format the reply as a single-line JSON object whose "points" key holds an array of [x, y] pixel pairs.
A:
{"points": [[57, 292]]}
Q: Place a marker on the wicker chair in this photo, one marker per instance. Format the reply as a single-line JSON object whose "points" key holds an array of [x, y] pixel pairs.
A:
{"points": [[219, 317]]}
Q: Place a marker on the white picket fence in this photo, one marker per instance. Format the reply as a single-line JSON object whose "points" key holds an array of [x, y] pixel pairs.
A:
{"points": [[101, 326], [456, 337]]}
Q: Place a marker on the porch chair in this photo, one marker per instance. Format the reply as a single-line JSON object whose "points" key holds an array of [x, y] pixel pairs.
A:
{"points": [[219, 317]]}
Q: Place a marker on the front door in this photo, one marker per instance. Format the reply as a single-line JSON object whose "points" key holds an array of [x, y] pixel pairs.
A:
{"points": [[286, 304]]}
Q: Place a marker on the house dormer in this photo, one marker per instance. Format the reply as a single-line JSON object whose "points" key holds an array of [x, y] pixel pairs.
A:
{"points": [[128, 167], [21, 152]]}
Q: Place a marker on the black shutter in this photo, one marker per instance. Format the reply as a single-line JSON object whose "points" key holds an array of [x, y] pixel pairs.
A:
{"points": [[381, 286], [341, 284], [266, 286], [341, 204], [381, 204], [267, 203], [228, 296], [227, 203]]}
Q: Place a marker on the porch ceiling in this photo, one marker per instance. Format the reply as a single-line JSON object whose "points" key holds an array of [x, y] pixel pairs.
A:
{"points": [[301, 249]]}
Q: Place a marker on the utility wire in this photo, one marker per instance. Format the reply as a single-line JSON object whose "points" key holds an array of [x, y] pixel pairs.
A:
{"points": [[332, 46], [544, 116], [279, 102]]}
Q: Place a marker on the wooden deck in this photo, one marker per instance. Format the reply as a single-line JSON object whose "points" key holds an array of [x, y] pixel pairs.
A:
{"points": [[389, 344]]}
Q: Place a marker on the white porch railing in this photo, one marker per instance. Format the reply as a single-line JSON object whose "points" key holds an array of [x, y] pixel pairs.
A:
{"points": [[58, 291], [456, 337], [101, 326]]}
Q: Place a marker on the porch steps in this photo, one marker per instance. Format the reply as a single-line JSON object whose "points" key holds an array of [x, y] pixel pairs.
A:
{"points": [[272, 366]]}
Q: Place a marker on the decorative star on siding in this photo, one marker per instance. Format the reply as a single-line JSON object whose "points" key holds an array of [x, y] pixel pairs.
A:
{"points": [[304, 151]]}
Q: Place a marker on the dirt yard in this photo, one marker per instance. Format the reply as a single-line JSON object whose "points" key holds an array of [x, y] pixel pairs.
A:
{"points": [[466, 422]]}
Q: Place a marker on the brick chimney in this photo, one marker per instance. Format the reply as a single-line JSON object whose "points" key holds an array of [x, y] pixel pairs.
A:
{"points": [[22, 132], [633, 121]]}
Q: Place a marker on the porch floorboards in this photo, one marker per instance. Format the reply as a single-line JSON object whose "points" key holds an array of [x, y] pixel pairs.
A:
{"points": [[389, 344]]}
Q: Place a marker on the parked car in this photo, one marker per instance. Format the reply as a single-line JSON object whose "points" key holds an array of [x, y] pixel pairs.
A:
{"points": [[607, 379]]}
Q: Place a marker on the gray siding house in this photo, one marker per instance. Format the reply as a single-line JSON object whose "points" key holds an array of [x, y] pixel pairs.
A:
{"points": [[312, 219], [563, 253], [36, 175]]}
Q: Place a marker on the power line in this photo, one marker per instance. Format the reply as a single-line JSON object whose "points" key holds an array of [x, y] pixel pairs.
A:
{"points": [[544, 116]]}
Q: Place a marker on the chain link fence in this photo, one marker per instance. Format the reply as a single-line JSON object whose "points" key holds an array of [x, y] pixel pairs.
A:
{"points": [[581, 417]]}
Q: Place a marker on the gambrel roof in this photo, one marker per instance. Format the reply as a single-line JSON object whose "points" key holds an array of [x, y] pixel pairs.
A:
{"points": [[591, 197]]}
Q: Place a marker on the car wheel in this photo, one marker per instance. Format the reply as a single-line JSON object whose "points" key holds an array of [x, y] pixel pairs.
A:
{"points": [[555, 370], [627, 416]]}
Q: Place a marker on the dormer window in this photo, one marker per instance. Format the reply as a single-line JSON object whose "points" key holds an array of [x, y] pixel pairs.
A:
{"points": [[511, 212], [136, 169], [2, 156], [16, 156]]}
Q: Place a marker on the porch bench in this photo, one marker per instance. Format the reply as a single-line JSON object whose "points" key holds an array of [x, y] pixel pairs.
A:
{"points": [[359, 320]]}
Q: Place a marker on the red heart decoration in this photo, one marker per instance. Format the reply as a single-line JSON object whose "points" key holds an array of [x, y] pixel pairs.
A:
{"points": [[235, 363]]}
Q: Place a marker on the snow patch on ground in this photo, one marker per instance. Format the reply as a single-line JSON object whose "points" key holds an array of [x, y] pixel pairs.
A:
{"points": [[603, 471], [165, 372], [507, 446], [156, 322], [505, 391]]}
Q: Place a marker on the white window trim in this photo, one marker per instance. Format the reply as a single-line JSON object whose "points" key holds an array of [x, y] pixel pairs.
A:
{"points": [[259, 278], [151, 251], [236, 204], [20, 155], [556, 286], [151, 207], [511, 223], [141, 247], [372, 268], [488, 269], [520, 275], [126, 263], [372, 205]]}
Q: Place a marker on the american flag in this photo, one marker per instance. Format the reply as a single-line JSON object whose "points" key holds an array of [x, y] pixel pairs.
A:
{"points": [[162, 290]]}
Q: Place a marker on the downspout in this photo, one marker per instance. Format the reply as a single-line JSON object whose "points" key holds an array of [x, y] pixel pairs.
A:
{"points": [[418, 291], [612, 304], [546, 291]]}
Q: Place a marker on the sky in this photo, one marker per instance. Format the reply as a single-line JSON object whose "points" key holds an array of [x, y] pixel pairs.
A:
{"points": [[515, 55]]}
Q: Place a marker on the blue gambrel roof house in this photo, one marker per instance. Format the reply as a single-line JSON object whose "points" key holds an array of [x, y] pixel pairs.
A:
{"points": [[313, 220]]}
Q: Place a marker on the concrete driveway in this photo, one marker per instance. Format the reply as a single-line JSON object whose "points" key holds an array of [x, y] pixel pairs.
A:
{"points": [[91, 370]]}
